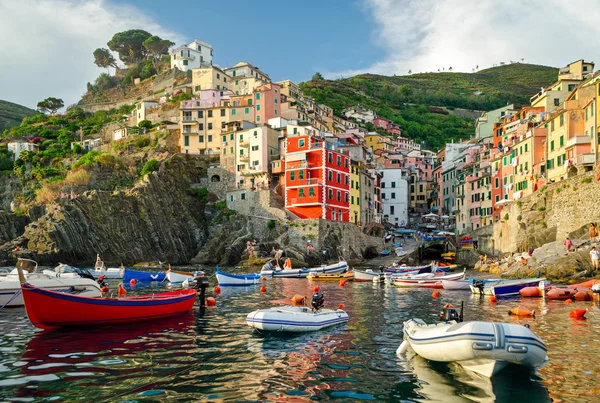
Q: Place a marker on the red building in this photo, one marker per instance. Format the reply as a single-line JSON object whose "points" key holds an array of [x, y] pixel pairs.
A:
{"points": [[388, 126], [317, 179]]}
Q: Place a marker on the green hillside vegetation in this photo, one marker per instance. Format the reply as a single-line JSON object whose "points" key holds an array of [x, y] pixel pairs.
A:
{"points": [[405, 99], [12, 114]]}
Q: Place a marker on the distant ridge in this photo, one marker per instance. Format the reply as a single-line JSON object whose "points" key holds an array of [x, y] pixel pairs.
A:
{"points": [[12, 114]]}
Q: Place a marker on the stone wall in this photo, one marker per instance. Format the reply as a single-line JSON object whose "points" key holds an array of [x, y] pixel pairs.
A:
{"points": [[255, 203], [217, 180], [559, 210], [485, 240]]}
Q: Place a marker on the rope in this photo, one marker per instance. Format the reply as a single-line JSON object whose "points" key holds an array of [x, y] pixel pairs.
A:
{"points": [[12, 298]]}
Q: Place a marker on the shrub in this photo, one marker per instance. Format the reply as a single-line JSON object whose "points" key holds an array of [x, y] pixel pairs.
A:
{"points": [[108, 160], [142, 142], [586, 180], [77, 178], [46, 194], [202, 194], [87, 159], [6, 163], [519, 218], [271, 224], [146, 124], [519, 203], [221, 205], [541, 208], [558, 190], [543, 188], [77, 148], [506, 216], [149, 167]]}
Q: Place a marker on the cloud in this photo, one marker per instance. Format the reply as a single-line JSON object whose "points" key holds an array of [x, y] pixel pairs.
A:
{"points": [[427, 35], [47, 45]]}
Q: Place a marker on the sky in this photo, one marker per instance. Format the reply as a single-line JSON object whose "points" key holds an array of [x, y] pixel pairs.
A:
{"points": [[46, 46]]}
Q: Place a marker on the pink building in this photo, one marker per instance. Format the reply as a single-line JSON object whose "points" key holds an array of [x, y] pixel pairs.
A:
{"points": [[387, 125], [267, 101]]}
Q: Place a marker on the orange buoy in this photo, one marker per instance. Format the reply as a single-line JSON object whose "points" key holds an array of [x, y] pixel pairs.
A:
{"points": [[560, 293], [316, 289], [568, 301], [132, 281], [582, 296], [217, 289], [531, 292], [298, 299], [104, 289], [121, 290], [448, 306], [578, 313], [493, 299], [210, 301], [435, 294], [263, 289], [342, 282], [341, 306], [585, 284], [263, 279], [520, 311]]}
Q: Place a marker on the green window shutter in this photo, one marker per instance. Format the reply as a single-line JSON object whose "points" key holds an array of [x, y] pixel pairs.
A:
{"points": [[258, 96], [233, 111], [311, 191], [186, 140], [224, 139], [258, 107]]}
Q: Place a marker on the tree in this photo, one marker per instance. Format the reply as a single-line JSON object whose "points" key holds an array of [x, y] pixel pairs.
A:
{"points": [[145, 124], [409, 71], [130, 45], [104, 82], [449, 68], [317, 77], [103, 58], [50, 104], [157, 47]]}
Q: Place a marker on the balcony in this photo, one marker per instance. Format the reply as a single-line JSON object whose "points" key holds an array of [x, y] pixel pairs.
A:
{"points": [[277, 167], [244, 141], [306, 200], [188, 118], [244, 157], [189, 131], [253, 171], [296, 164], [586, 159], [578, 140], [185, 57]]}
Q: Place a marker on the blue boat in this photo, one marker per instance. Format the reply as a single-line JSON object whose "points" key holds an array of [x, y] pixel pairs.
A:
{"points": [[129, 275], [506, 287], [428, 238], [385, 252], [226, 279]]}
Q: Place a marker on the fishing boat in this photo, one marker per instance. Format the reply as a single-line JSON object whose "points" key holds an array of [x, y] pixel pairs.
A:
{"points": [[182, 276], [504, 287], [295, 319], [10, 286], [107, 272], [129, 275], [405, 269], [349, 275], [463, 284], [268, 270], [367, 275], [51, 309], [482, 347], [426, 281], [226, 279], [386, 252]]}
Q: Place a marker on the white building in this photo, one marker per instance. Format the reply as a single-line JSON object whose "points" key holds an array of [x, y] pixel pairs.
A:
{"points": [[192, 56], [244, 69], [394, 196], [139, 113], [359, 113], [18, 147]]}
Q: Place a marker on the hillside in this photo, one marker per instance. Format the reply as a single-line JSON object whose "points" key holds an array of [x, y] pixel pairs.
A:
{"points": [[405, 99], [12, 114]]}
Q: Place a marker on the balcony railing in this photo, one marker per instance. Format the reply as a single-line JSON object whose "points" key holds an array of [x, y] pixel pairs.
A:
{"points": [[578, 140], [586, 159]]}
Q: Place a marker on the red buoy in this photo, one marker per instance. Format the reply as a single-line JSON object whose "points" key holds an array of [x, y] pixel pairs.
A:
{"points": [[578, 313], [298, 299], [341, 306], [560, 293], [582, 296], [316, 289], [217, 289], [531, 292], [132, 281], [342, 282], [435, 294], [210, 301], [520, 311], [568, 301], [263, 289], [493, 299], [121, 290]]}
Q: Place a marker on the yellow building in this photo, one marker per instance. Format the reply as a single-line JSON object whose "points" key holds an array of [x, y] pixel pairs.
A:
{"points": [[355, 215], [201, 127], [210, 78], [378, 142]]}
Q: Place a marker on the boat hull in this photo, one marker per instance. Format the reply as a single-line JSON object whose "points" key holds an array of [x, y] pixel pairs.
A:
{"points": [[456, 285], [506, 287], [180, 277], [110, 273], [426, 282], [10, 289], [482, 347], [129, 275], [48, 309], [331, 276], [295, 319], [232, 280], [304, 272], [367, 275]]}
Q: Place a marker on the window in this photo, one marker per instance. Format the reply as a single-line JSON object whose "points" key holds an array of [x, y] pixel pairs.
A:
{"points": [[393, 195], [224, 139], [243, 196], [233, 111], [392, 210], [556, 102], [295, 130], [292, 175], [497, 198], [210, 113], [222, 112], [526, 147], [352, 198], [330, 157], [185, 62], [329, 176], [246, 110], [301, 174], [210, 126], [200, 114], [258, 96], [383, 196], [339, 195], [257, 108], [201, 139], [275, 98], [254, 148], [562, 120], [233, 73], [552, 145], [300, 142], [311, 192], [562, 141], [393, 184], [301, 192], [552, 126], [186, 141], [339, 160], [339, 178], [210, 138], [347, 198], [231, 136], [201, 126], [348, 180], [330, 194], [383, 185]]}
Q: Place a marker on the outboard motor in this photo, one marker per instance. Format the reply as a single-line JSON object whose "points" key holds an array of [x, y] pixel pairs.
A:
{"points": [[318, 300], [479, 285], [381, 269], [200, 283], [449, 313]]}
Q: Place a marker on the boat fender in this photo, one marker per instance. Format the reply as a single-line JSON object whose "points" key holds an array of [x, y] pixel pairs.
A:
{"points": [[263, 288], [578, 313], [402, 348], [263, 279], [568, 301], [210, 301], [121, 291], [132, 281], [217, 290], [582, 296], [298, 299], [520, 311], [493, 299], [342, 283], [435, 294]]}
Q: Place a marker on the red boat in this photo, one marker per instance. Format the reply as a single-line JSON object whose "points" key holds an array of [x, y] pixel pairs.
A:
{"points": [[50, 309]]}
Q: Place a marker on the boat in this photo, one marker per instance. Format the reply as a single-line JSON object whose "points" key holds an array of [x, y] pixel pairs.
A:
{"points": [[10, 286], [129, 275], [429, 238], [107, 272], [400, 252], [449, 255], [462, 284], [226, 279], [426, 281], [482, 347], [504, 287], [386, 252], [349, 275], [405, 269], [182, 276], [295, 319], [268, 270], [367, 275], [51, 309]]}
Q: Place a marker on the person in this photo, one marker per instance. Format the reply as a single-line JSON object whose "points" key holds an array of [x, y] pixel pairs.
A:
{"points": [[593, 232], [531, 251], [595, 256], [278, 256], [568, 244]]}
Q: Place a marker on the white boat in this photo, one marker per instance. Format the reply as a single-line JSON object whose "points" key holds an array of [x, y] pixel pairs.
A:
{"points": [[426, 280], [367, 275], [268, 270], [10, 286], [226, 279], [400, 252], [456, 285], [107, 272], [182, 276], [504, 287], [295, 319], [481, 347]]}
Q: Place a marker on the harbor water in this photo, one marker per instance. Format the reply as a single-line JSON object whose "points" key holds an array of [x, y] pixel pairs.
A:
{"points": [[216, 357]]}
